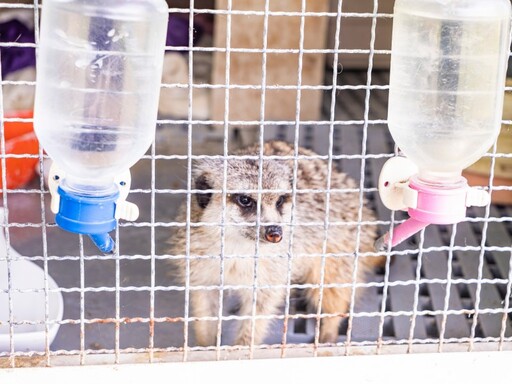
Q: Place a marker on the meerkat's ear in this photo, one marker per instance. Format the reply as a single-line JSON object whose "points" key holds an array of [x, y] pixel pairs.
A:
{"points": [[202, 183], [204, 173]]}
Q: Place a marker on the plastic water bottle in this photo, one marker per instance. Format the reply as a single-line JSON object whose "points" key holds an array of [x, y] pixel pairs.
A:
{"points": [[99, 69], [448, 68]]}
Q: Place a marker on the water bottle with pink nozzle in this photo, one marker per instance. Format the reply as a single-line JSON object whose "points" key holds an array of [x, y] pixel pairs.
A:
{"points": [[448, 68]]}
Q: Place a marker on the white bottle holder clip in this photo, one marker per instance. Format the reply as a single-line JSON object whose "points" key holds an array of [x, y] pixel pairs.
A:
{"points": [[394, 188]]}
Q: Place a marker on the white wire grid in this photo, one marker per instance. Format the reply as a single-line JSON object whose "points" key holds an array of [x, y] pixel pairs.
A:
{"points": [[331, 123]]}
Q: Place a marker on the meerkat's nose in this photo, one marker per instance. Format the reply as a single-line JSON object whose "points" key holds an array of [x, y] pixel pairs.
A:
{"points": [[273, 233]]}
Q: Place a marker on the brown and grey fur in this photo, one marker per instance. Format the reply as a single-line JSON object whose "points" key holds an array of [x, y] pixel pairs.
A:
{"points": [[272, 265]]}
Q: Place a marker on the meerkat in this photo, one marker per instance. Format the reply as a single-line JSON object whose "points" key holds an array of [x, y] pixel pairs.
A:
{"points": [[232, 248]]}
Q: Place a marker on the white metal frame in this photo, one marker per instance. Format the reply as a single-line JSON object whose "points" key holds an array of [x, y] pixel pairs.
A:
{"points": [[373, 366]]}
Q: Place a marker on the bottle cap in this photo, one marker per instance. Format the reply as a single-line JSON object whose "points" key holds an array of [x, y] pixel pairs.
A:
{"points": [[89, 215], [86, 214]]}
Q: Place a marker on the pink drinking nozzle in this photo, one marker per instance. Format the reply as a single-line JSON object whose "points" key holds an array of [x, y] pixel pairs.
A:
{"points": [[446, 89], [401, 188]]}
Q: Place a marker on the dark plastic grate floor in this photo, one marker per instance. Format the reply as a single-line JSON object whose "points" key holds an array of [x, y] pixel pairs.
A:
{"points": [[433, 274]]}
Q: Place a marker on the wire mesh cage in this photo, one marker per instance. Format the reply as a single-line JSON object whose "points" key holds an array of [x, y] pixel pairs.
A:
{"points": [[195, 279]]}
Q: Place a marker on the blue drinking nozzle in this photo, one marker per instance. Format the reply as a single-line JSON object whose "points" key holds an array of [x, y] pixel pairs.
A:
{"points": [[94, 215], [89, 215], [104, 242]]}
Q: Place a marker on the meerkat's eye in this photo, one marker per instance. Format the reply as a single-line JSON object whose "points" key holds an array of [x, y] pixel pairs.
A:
{"points": [[245, 201], [280, 201]]}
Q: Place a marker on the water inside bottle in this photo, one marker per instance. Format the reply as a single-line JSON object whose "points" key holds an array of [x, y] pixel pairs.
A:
{"points": [[446, 88]]}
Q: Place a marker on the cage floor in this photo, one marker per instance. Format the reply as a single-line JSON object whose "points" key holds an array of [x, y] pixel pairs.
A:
{"points": [[99, 290]]}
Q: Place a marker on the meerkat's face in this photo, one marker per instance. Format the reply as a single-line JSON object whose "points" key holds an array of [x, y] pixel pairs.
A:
{"points": [[253, 209], [266, 219]]}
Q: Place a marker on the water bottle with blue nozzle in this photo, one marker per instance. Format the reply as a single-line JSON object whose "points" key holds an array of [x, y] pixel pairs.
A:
{"points": [[99, 69]]}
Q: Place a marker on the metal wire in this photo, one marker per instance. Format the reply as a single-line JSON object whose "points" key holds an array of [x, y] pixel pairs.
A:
{"points": [[328, 184], [260, 177]]}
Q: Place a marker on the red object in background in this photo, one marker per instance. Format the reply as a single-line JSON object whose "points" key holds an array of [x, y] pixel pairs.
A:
{"points": [[20, 139], [17, 128]]}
